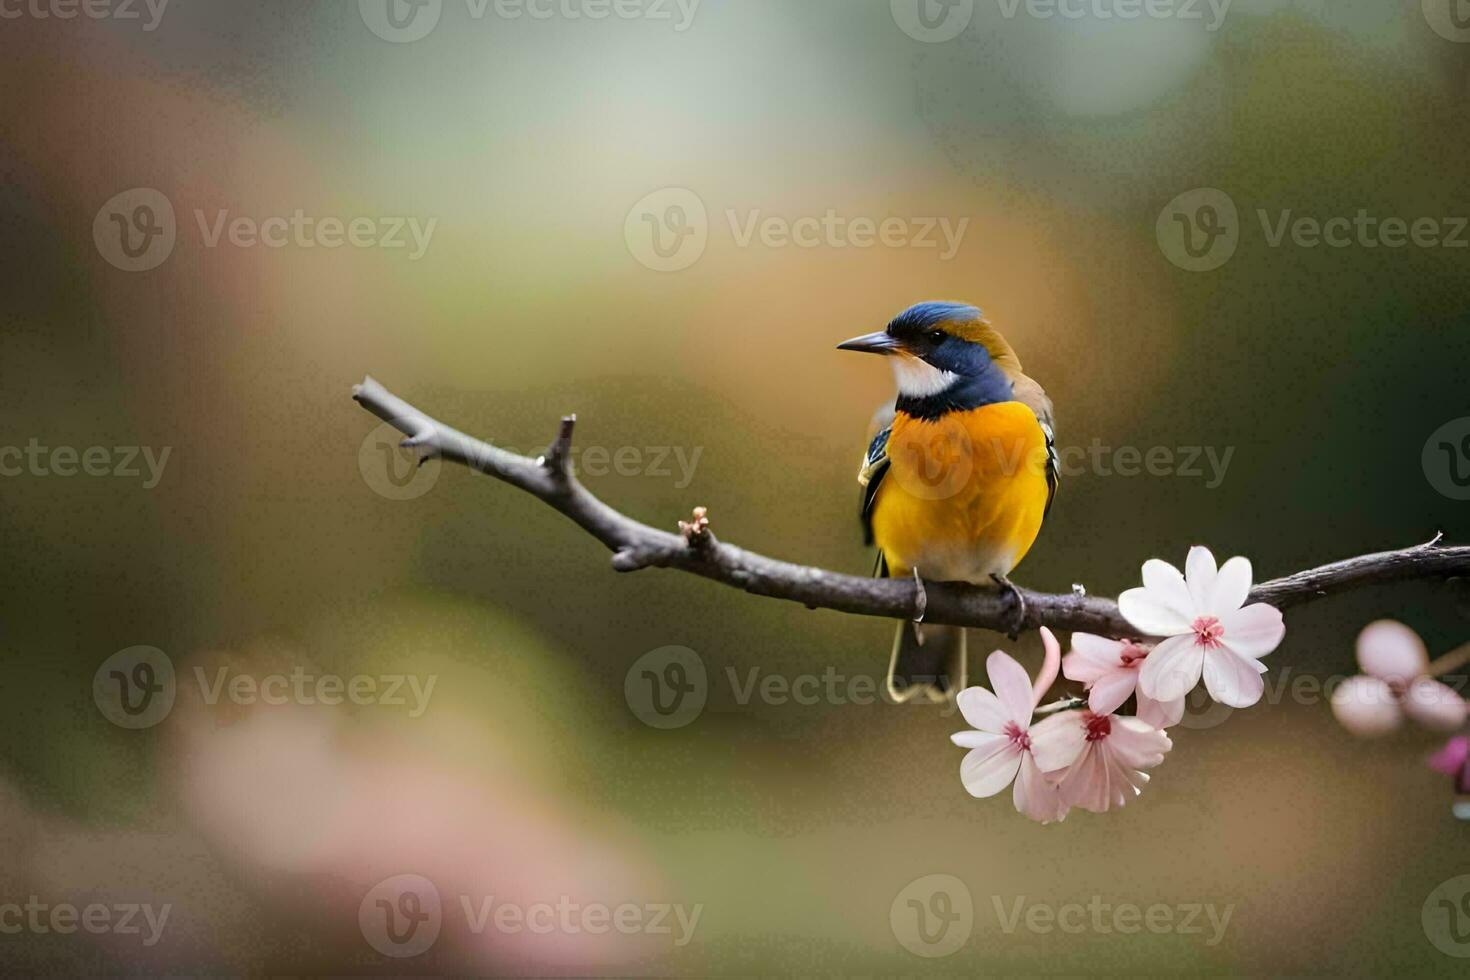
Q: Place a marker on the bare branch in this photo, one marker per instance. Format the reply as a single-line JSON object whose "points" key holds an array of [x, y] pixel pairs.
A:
{"points": [[635, 545]]}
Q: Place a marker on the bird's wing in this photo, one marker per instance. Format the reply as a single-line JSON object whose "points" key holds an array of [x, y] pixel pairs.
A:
{"points": [[874, 468], [1031, 394]]}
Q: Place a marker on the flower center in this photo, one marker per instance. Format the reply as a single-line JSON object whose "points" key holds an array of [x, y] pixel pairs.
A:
{"points": [[1207, 632], [1098, 726], [1020, 739], [1132, 654]]}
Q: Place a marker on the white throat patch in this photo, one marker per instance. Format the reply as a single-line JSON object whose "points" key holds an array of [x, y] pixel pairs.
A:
{"points": [[919, 379]]}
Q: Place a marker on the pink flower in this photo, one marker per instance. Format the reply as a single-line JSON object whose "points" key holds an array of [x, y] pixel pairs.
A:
{"points": [[1108, 754], [1394, 684], [1454, 760], [1209, 633], [1109, 671], [1000, 747]]}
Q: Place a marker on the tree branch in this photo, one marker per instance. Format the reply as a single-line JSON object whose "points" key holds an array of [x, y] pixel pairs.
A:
{"points": [[635, 545]]}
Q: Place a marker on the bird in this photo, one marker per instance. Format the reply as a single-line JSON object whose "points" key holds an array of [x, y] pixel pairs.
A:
{"points": [[960, 472]]}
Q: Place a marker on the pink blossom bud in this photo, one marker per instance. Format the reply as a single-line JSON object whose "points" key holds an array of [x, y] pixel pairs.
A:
{"points": [[1391, 651], [1434, 705], [1366, 707]]}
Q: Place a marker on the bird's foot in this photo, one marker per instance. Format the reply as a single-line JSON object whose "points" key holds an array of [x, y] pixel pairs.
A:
{"points": [[1018, 606], [921, 606]]}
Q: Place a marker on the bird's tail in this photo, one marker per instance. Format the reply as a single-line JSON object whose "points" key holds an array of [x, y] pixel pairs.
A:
{"points": [[928, 663]]}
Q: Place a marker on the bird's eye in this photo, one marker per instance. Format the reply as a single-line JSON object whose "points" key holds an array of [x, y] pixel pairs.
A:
{"points": [[937, 336]]}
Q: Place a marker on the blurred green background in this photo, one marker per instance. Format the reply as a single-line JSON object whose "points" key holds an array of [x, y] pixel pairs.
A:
{"points": [[269, 544]]}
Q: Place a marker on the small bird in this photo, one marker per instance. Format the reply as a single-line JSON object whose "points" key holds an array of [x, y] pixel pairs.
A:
{"points": [[958, 478]]}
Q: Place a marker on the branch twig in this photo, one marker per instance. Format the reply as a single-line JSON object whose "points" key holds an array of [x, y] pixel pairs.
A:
{"points": [[635, 545]]}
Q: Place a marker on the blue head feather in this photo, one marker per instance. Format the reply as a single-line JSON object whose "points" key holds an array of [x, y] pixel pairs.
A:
{"points": [[926, 316]]}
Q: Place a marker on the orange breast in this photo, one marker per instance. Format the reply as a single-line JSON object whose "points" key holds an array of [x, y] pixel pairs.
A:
{"points": [[964, 495]]}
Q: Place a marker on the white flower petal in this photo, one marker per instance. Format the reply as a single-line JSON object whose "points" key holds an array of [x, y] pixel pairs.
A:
{"points": [[1231, 679], [1091, 657], [978, 740], [1391, 651], [1436, 706], [986, 772], [1136, 743], [1366, 706], [1098, 781], [982, 710], [1150, 614], [1168, 586], [1057, 741], [1172, 669], [1160, 714], [1232, 585], [1111, 690], [1199, 573], [1254, 631], [1035, 795], [1012, 685]]}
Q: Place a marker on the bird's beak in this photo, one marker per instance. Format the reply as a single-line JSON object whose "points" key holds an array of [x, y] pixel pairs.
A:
{"points": [[880, 342]]}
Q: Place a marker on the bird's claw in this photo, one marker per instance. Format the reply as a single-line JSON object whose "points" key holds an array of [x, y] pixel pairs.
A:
{"points": [[1018, 616], [921, 606]]}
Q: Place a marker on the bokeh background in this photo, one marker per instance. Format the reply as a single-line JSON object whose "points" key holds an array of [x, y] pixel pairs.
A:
{"points": [[271, 542]]}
